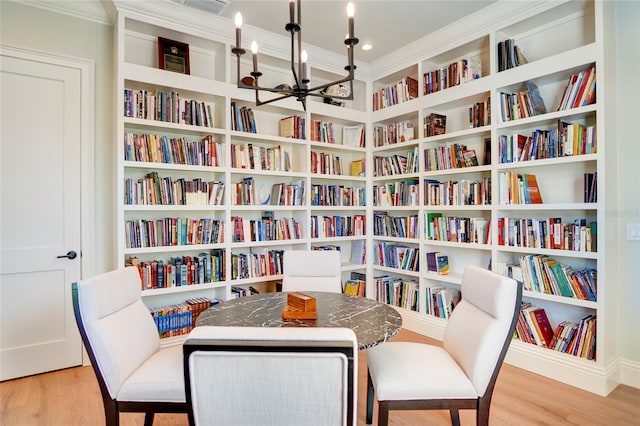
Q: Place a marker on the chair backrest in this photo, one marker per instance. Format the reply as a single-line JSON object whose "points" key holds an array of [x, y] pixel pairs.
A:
{"points": [[311, 270], [116, 327], [271, 376], [481, 326]]}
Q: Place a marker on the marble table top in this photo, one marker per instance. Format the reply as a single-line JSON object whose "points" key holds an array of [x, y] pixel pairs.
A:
{"points": [[373, 322]]}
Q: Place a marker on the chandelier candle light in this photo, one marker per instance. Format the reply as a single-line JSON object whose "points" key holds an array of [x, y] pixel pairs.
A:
{"points": [[301, 89]]}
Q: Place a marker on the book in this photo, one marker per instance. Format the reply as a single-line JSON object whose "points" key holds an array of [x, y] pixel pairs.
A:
{"points": [[357, 167], [443, 264], [543, 326], [435, 124], [533, 195], [353, 136], [432, 261], [486, 154], [536, 99], [469, 157]]}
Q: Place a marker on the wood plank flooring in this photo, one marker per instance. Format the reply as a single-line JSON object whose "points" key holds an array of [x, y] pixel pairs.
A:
{"points": [[71, 398]]}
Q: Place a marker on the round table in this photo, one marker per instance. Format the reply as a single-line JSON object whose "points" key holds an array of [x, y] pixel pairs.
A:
{"points": [[373, 322]]}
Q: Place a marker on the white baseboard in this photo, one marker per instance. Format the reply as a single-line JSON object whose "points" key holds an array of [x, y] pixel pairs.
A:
{"points": [[629, 373]]}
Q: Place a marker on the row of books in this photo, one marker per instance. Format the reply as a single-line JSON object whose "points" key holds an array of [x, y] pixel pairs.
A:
{"points": [[173, 231], [480, 114], [401, 91], [567, 139], [338, 226], [509, 55], [179, 319], [242, 119], [326, 163], [396, 164], [162, 149], [457, 229], [253, 265], [456, 73], [385, 225], [180, 271], [580, 90], [397, 193], [578, 339], [533, 326], [393, 133], [255, 157], [522, 104], [397, 291], [155, 190], [337, 195], [292, 126], [244, 193], [434, 124], [548, 233], [452, 156], [167, 106], [441, 301], [287, 194], [266, 229], [544, 274], [465, 192], [354, 287], [519, 188], [237, 291], [322, 131]]}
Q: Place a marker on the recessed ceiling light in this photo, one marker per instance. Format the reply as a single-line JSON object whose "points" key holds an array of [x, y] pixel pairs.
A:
{"points": [[366, 46]]}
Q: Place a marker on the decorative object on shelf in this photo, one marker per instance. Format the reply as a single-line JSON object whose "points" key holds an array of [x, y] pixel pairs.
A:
{"points": [[173, 56], [334, 91], [337, 91]]}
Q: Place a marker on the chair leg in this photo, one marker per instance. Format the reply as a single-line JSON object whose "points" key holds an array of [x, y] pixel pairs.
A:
{"points": [[482, 413], [455, 417], [111, 414], [383, 413], [370, 391], [148, 419]]}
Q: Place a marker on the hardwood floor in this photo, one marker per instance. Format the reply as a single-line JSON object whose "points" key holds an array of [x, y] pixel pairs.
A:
{"points": [[71, 398]]}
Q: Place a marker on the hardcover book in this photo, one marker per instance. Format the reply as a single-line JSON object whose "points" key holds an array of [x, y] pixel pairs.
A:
{"points": [[443, 264]]}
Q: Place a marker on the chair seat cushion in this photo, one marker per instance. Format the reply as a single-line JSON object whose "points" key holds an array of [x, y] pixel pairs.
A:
{"points": [[159, 379], [408, 370]]}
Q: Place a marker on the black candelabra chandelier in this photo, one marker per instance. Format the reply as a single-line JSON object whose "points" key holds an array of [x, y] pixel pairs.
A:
{"points": [[300, 89]]}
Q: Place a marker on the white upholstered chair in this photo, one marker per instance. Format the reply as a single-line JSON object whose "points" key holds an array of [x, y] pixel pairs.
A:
{"points": [[133, 372], [462, 373], [271, 376], [311, 270]]}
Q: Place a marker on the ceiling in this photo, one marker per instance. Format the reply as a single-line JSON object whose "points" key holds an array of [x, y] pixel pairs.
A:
{"points": [[386, 24]]}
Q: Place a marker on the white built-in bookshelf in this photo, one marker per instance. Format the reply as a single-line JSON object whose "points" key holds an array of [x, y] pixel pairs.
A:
{"points": [[389, 208]]}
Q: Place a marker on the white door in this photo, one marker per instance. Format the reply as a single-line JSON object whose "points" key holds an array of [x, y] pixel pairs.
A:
{"points": [[40, 215]]}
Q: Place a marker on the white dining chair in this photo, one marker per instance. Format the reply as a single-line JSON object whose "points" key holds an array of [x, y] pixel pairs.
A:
{"points": [[462, 373], [311, 270], [271, 376]]}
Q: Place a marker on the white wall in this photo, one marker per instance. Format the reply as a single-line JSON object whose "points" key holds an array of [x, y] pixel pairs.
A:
{"points": [[39, 30], [628, 64]]}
